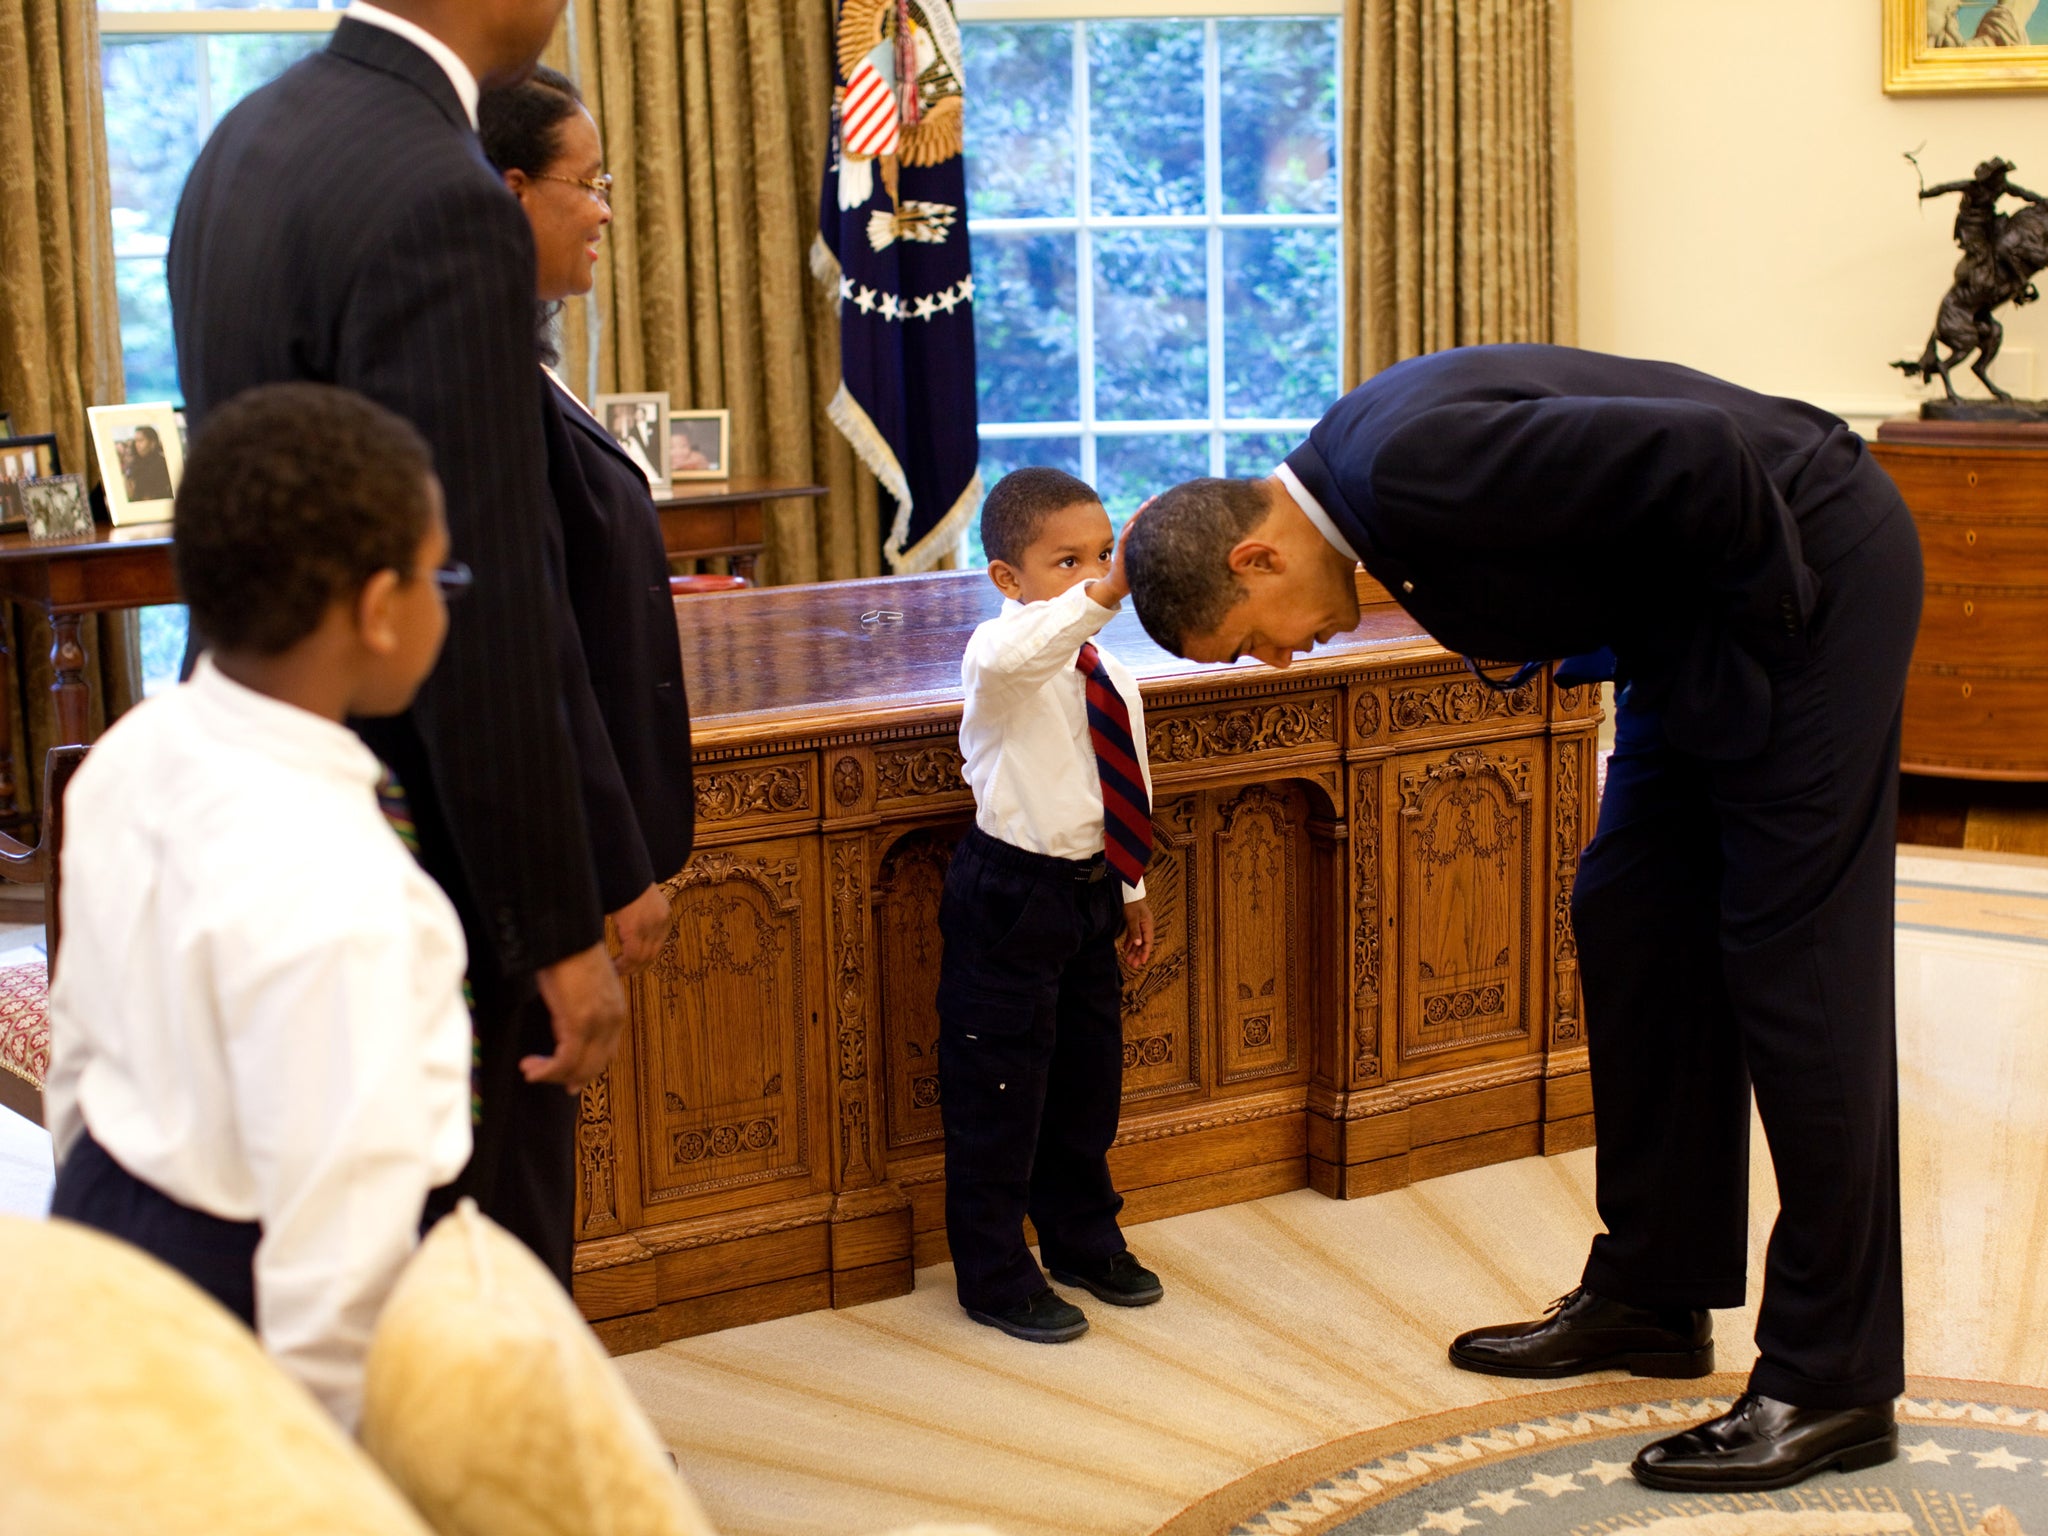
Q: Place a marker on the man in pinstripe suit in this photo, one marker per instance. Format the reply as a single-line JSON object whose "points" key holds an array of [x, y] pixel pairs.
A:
{"points": [[343, 226]]}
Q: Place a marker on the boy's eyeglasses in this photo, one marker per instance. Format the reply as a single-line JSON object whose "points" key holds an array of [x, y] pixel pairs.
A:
{"points": [[454, 579]]}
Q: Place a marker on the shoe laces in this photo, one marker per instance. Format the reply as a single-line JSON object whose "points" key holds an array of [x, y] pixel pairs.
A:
{"points": [[1563, 1301]]}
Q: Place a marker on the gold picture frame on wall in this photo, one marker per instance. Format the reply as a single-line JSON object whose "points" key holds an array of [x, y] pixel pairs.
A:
{"points": [[1943, 47]]}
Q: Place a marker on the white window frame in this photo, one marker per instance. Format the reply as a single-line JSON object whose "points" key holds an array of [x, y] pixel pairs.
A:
{"points": [[1084, 225]]}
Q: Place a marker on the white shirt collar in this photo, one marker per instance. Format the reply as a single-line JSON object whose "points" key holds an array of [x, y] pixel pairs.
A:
{"points": [[1313, 510], [281, 730], [458, 73]]}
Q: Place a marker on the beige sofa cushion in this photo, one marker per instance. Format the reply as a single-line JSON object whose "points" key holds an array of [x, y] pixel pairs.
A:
{"points": [[130, 1401], [493, 1406]]}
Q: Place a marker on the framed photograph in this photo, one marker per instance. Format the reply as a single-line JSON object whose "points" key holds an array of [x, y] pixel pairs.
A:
{"points": [[639, 425], [29, 458], [141, 459], [13, 510], [56, 508], [699, 445], [1949, 46]]}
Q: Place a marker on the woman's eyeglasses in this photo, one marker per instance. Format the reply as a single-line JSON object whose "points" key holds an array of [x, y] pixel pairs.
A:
{"points": [[599, 187]]}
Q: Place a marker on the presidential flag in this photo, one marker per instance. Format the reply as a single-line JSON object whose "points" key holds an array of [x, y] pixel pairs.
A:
{"points": [[892, 239]]}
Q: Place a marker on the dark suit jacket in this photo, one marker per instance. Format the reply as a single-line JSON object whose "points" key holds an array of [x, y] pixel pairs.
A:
{"points": [[1531, 502], [342, 226], [638, 792]]}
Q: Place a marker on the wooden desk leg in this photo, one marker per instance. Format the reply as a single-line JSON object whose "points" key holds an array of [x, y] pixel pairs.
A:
{"points": [[67, 657], [10, 800]]}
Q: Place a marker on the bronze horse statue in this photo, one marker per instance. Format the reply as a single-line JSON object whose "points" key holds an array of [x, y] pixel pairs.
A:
{"points": [[2001, 254]]}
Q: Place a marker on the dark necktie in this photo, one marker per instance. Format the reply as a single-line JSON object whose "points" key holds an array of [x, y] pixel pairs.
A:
{"points": [[1126, 809], [398, 811]]}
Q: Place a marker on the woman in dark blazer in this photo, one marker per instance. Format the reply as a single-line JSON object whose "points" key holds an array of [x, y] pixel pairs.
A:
{"points": [[636, 760]]}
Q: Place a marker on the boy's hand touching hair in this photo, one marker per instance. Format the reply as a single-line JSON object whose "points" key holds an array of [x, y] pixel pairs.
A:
{"points": [[1116, 586], [1136, 948]]}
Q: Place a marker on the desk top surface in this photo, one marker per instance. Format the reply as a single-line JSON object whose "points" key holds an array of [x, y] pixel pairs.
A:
{"points": [[701, 493], [102, 540], [755, 660]]}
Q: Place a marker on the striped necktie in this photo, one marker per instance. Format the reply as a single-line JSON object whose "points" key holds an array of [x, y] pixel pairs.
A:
{"points": [[1126, 809], [397, 810]]}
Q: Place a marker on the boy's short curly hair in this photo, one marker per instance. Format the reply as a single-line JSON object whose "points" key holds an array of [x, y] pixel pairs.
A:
{"points": [[294, 496], [1022, 500]]}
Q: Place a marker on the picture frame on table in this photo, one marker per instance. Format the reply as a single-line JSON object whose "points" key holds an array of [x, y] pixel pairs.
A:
{"points": [[56, 508], [141, 459], [700, 445], [639, 425], [29, 458], [1952, 47]]}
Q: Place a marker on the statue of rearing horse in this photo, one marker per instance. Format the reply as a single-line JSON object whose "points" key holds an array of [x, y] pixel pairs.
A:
{"points": [[2001, 254]]}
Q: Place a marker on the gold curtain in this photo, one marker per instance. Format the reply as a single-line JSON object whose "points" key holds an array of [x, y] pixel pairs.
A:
{"points": [[1459, 203], [60, 322], [714, 115]]}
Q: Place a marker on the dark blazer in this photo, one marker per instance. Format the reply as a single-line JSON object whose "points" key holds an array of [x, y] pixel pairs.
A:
{"points": [[342, 226], [1532, 502], [616, 569]]}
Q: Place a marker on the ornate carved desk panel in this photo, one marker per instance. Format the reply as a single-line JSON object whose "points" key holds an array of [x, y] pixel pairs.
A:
{"points": [[1364, 972]]}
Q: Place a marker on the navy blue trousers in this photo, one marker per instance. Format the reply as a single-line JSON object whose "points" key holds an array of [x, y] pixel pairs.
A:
{"points": [[1734, 922], [217, 1256], [1031, 1046]]}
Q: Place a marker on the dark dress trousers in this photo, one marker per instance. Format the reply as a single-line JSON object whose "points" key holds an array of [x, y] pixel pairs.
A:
{"points": [[638, 795], [1758, 579], [342, 226]]}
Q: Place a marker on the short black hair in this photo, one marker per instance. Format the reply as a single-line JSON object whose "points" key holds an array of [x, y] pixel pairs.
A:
{"points": [[1022, 500], [520, 127], [1178, 556], [294, 496]]}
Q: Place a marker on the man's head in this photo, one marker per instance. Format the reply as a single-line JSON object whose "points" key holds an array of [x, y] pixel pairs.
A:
{"points": [[1226, 568], [310, 516], [1045, 532], [500, 40]]}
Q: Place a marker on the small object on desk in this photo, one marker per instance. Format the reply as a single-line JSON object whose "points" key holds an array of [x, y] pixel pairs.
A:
{"points": [[878, 616], [141, 459], [699, 444], [56, 508], [696, 586], [639, 425], [29, 458]]}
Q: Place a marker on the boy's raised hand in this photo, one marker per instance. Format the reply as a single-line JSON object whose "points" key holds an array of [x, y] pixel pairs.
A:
{"points": [[1136, 949], [1116, 586]]}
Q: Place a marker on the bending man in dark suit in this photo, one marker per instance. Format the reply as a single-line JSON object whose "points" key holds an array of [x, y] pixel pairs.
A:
{"points": [[342, 225], [1758, 579]]}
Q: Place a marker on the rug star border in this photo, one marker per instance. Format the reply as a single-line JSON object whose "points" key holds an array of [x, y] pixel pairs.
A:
{"points": [[1327, 1488]]}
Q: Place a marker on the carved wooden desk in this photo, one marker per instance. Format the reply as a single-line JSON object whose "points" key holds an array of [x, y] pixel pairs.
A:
{"points": [[1364, 971]]}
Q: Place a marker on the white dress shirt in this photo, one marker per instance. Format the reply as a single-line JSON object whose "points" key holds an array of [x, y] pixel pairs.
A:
{"points": [[1313, 511], [1024, 733], [258, 1003], [458, 73]]}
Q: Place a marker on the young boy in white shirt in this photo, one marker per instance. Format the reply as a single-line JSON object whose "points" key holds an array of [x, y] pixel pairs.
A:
{"points": [[1037, 898], [260, 1049]]}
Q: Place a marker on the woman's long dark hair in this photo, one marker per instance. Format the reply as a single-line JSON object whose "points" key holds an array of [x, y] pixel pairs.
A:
{"points": [[520, 126]]}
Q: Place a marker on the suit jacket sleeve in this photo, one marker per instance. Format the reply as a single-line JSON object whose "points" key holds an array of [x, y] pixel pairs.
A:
{"points": [[440, 329], [1670, 482], [618, 850]]}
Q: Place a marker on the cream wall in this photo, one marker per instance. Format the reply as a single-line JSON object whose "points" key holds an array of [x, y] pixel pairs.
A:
{"points": [[1743, 207]]}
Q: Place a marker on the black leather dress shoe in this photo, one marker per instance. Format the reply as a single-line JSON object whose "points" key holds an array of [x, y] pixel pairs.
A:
{"points": [[1044, 1319], [1121, 1281], [1583, 1332], [1761, 1443]]}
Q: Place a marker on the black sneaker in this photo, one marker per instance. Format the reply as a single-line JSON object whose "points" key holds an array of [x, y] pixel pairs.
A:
{"points": [[1044, 1319], [1120, 1280]]}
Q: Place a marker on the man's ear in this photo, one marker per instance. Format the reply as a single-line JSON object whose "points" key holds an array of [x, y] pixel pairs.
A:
{"points": [[377, 613], [1254, 554], [1005, 576]]}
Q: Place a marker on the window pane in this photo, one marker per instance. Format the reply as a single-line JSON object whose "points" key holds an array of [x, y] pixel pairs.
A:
{"points": [[1279, 115], [1145, 116], [148, 354], [163, 647], [1020, 121], [153, 131], [1151, 324], [1000, 455], [1249, 454], [1129, 469], [1026, 340], [1280, 321], [238, 65]]}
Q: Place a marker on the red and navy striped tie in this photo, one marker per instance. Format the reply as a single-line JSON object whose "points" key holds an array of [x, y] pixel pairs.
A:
{"points": [[1126, 808]]}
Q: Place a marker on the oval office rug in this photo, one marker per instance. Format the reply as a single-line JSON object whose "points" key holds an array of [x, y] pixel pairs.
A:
{"points": [[1973, 1461]]}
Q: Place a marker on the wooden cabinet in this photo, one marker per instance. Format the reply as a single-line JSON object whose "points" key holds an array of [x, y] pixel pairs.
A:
{"points": [[1977, 696], [1363, 972]]}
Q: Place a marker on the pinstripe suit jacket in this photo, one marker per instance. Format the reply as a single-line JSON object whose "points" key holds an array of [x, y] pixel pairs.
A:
{"points": [[342, 226]]}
